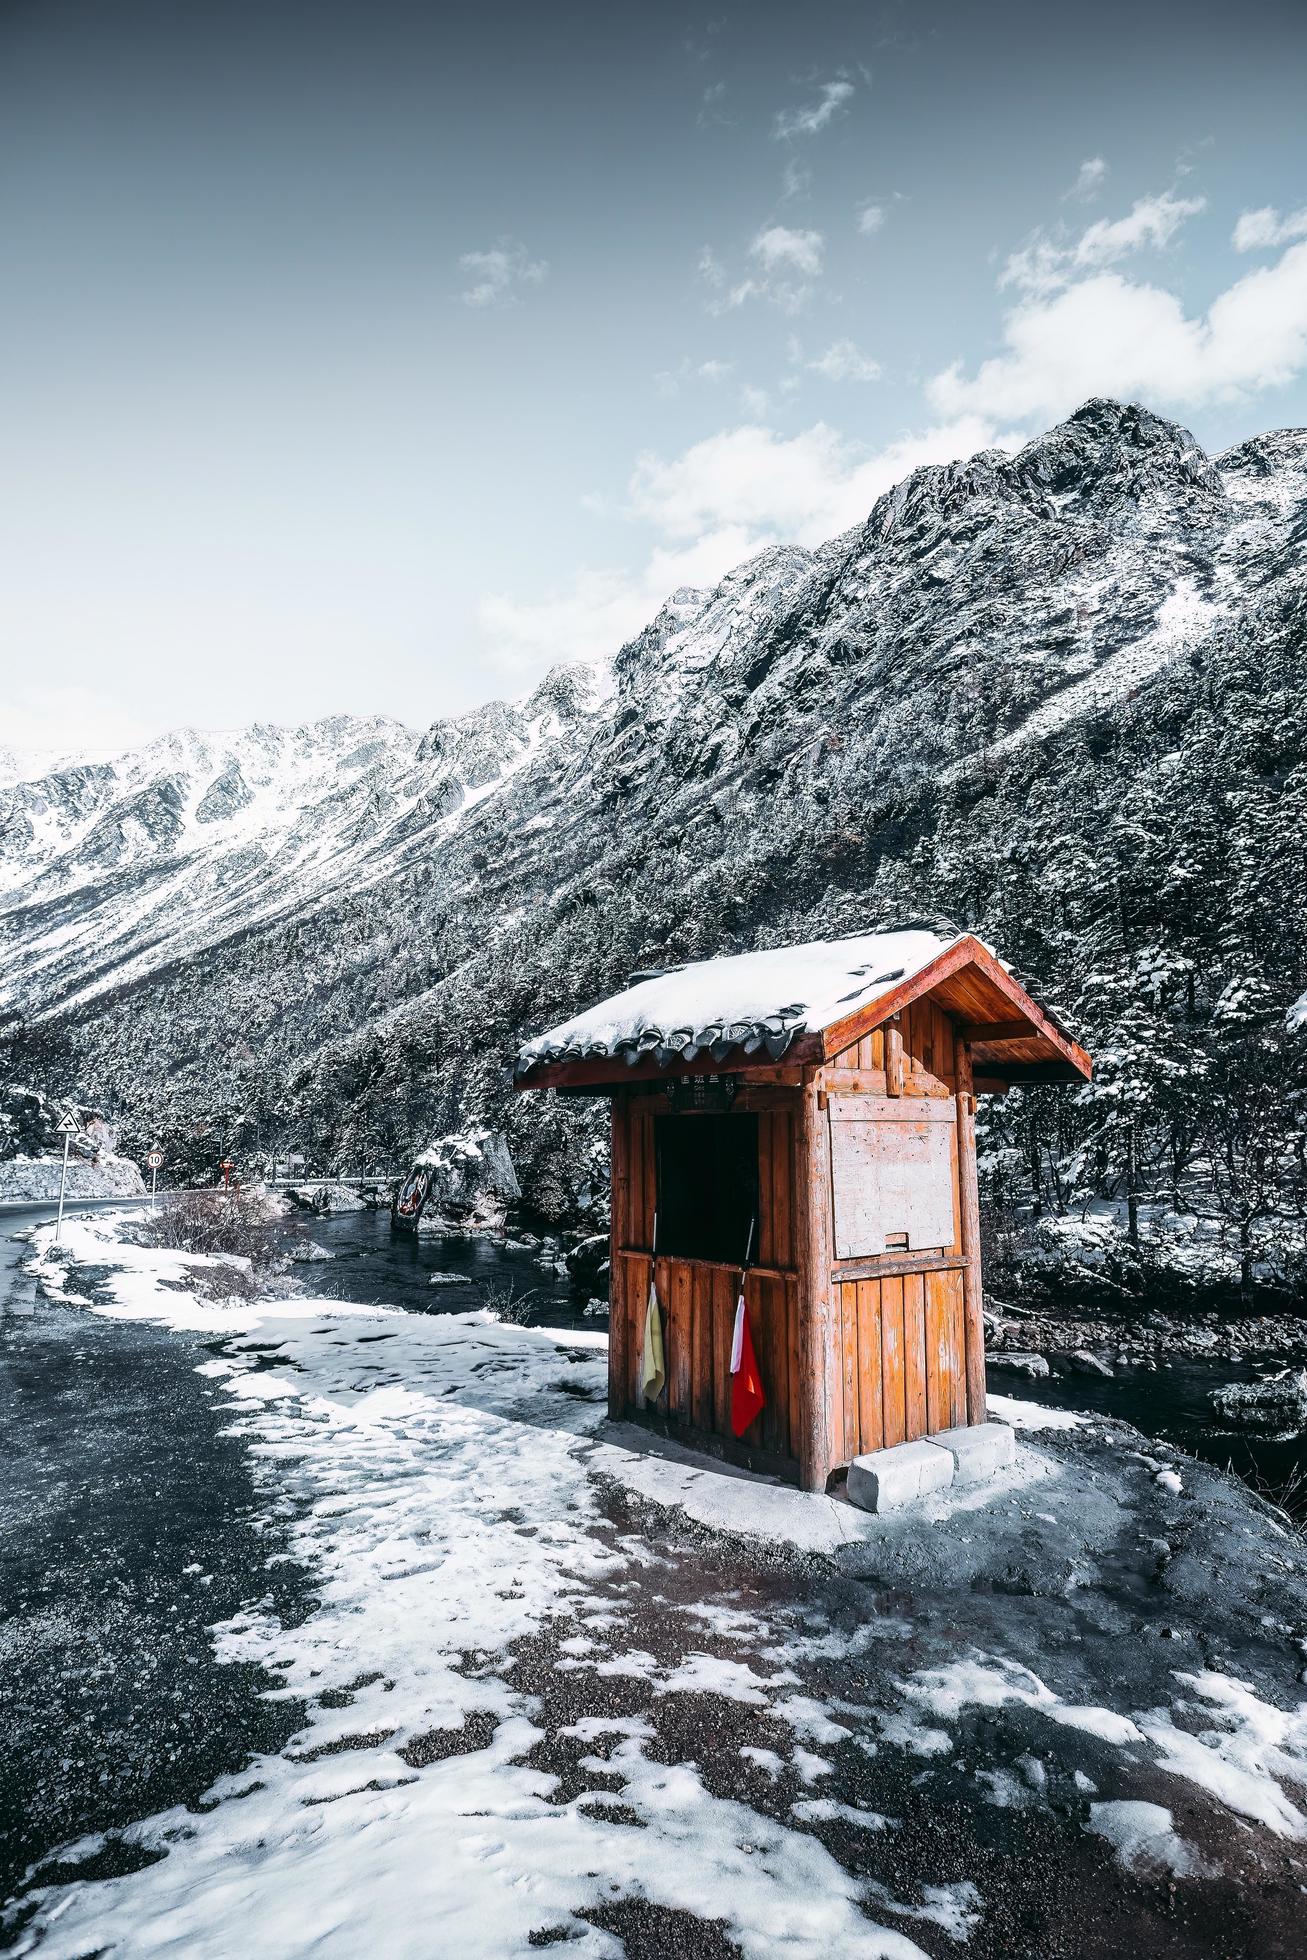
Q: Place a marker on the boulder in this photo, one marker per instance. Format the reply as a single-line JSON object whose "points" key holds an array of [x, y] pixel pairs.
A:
{"points": [[469, 1178], [1019, 1362], [1279, 1402]]}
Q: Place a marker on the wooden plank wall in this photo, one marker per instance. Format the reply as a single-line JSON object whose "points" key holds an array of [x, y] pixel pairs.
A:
{"points": [[698, 1300], [904, 1349], [902, 1339], [898, 1346], [929, 1058]]}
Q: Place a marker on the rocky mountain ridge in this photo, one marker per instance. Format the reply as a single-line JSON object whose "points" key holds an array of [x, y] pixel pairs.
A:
{"points": [[1019, 695]]}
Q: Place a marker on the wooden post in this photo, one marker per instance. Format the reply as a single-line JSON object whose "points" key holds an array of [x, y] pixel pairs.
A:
{"points": [[893, 1061], [973, 1289], [619, 1235], [817, 1348]]}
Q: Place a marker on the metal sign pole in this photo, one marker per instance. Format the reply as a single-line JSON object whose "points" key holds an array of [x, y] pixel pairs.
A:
{"points": [[154, 1189], [63, 1182]]}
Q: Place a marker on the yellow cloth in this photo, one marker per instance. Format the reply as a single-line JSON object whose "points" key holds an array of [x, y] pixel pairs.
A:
{"points": [[653, 1374]]}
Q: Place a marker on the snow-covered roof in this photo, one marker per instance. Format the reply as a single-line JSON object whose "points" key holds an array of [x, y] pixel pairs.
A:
{"points": [[751, 1001]]}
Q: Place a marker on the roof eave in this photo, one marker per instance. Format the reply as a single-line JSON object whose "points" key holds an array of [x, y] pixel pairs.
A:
{"points": [[968, 952], [604, 1072]]}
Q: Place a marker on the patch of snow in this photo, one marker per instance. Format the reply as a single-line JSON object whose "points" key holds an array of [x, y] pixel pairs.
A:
{"points": [[811, 1767], [711, 1674], [1143, 1837], [825, 1810], [1004, 1790], [980, 1682], [1183, 619], [766, 1759], [1245, 1755], [955, 1908], [1029, 1415]]}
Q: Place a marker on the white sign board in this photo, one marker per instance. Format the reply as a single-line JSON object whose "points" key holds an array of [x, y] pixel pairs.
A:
{"points": [[154, 1159], [69, 1127], [893, 1167]]}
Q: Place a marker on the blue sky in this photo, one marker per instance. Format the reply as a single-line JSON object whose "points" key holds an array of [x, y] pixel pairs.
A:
{"points": [[375, 357]]}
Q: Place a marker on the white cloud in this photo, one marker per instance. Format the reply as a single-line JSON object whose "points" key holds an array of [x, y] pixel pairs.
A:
{"points": [[710, 105], [670, 380], [498, 276], [1049, 261], [711, 269], [871, 219], [785, 259], [754, 401], [1258, 231], [1090, 178], [805, 487], [812, 117], [1108, 335], [710, 508], [599, 610], [843, 361], [796, 179], [1151, 221], [778, 247]]}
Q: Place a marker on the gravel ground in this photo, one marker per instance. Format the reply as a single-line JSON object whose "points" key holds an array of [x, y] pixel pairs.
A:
{"points": [[127, 1526]]}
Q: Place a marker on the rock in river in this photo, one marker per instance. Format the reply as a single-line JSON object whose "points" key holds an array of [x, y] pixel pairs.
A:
{"points": [[1279, 1402]]}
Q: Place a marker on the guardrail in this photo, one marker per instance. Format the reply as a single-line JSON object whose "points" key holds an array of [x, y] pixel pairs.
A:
{"points": [[305, 1183]]}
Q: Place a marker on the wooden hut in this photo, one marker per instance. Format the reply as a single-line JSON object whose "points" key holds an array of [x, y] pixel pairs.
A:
{"points": [[804, 1117]]}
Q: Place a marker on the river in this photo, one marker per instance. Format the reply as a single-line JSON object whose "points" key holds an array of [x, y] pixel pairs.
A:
{"points": [[427, 1272]]}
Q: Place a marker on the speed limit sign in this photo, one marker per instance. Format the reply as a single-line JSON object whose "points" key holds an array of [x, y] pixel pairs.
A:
{"points": [[154, 1159]]}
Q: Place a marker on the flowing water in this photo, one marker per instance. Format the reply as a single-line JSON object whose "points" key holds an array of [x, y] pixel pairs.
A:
{"points": [[429, 1273], [1172, 1402]]}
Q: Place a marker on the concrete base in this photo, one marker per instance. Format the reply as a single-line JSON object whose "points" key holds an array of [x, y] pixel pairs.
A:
{"points": [[884, 1480], [978, 1451]]}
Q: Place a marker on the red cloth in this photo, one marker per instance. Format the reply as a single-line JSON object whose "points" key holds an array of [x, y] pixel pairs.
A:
{"points": [[747, 1398]]}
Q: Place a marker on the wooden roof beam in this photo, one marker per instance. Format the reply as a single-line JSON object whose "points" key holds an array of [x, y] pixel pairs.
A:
{"points": [[967, 953]]}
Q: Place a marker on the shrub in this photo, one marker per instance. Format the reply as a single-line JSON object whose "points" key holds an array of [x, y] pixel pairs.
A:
{"points": [[240, 1223], [503, 1302]]}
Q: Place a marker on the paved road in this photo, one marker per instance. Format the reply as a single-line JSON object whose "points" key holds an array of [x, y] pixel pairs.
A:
{"points": [[113, 1481]]}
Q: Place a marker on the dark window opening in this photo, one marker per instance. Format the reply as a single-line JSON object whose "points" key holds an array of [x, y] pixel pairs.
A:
{"points": [[707, 1186]]}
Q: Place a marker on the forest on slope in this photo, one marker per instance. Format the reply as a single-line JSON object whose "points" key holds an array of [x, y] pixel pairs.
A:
{"points": [[1056, 698]]}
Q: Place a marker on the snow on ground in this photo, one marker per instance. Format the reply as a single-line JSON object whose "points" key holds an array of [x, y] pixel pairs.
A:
{"points": [[1183, 619], [448, 1488], [1143, 1835], [36, 1180], [449, 1513], [1031, 1415]]}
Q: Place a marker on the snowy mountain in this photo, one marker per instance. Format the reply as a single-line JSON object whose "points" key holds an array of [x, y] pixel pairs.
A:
{"points": [[1056, 695], [112, 869]]}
